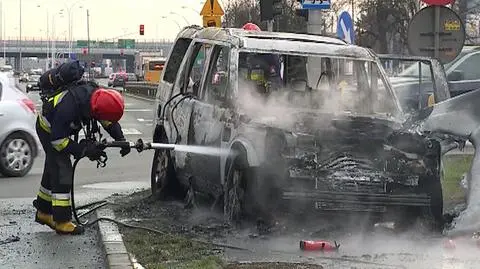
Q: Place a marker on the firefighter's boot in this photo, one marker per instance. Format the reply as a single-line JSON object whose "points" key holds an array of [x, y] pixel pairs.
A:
{"points": [[45, 219], [69, 228]]}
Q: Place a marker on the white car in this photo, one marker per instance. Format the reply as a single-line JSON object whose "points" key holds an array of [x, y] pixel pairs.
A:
{"points": [[19, 144]]}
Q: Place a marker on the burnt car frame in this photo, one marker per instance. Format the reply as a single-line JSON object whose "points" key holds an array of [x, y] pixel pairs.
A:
{"points": [[324, 161]]}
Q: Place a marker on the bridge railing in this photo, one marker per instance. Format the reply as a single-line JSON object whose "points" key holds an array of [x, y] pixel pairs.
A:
{"points": [[139, 44]]}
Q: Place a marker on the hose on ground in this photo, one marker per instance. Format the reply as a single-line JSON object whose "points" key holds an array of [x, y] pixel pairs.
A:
{"points": [[98, 204]]}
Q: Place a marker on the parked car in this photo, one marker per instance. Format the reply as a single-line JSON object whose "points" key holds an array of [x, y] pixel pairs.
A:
{"points": [[24, 77], [116, 79], [329, 135], [19, 145], [34, 79], [131, 77]]}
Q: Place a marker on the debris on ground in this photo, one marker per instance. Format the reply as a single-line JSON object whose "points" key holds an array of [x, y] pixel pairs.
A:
{"points": [[272, 265], [10, 239], [319, 245]]}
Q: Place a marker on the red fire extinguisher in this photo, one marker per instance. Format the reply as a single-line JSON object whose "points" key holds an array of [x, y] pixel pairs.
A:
{"points": [[319, 245]]}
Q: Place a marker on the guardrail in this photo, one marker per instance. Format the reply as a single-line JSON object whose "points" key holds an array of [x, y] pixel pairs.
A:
{"points": [[141, 88]]}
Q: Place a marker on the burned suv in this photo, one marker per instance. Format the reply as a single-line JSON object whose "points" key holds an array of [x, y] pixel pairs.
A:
{"points": [[310, 124]]}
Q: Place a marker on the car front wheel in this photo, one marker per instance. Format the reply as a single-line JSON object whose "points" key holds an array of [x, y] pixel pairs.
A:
{"points": [[16, 156], [163, 181]]}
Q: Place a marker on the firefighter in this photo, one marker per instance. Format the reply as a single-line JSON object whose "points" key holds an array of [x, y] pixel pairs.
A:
{"points": [[263, 68], [62, 117]]}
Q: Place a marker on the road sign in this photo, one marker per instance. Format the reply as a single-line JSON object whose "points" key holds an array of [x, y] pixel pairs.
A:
{"points": [[345, 29], [212, 21], [316, 4], [126, 43], [212, 8], [422, 38], [438, 2], [82, 43]]}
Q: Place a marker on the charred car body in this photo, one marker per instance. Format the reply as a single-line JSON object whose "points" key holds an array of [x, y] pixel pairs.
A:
{"points": [[309, 121]]}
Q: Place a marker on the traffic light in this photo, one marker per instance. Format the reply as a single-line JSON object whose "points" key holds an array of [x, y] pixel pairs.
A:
{"points": [[142, 29], [270, 9]]}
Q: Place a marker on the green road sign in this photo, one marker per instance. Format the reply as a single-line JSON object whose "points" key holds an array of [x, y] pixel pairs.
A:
{"points": [[126, 43], [106, 45], [82, 43]]}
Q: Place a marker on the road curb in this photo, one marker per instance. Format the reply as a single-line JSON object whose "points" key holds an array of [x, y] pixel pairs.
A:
{"points": [[139, 97], [116, 255]]}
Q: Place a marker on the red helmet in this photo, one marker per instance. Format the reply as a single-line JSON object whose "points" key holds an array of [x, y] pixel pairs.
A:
{"points": [[107, 105], [251, 27]]}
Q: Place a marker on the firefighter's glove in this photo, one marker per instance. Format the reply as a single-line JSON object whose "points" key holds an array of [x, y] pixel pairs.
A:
{"points": [[125, 150], [92, 150]]}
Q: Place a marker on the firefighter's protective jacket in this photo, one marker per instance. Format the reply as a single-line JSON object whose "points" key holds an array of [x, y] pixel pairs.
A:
{"points": [[64, 115]]}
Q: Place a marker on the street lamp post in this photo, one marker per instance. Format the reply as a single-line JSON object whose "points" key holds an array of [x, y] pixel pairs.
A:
{"points": [[53, 49], [20, 40], [179, 27], [70, 25], [185, 19], [192, 9], [48, 38], [3, 32]]}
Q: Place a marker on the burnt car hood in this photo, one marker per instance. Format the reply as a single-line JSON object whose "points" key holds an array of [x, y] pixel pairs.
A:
{"points": [[344, 149]]}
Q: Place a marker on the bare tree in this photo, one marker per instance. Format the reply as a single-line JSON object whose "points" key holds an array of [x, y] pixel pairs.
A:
{"points": [[381, 24], [239, 12]]}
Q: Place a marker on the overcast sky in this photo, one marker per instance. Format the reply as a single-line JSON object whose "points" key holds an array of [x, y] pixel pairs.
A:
{"points": [[108, 18]]}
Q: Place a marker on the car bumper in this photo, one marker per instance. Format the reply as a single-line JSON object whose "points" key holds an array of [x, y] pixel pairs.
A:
{"points": [[354, 201]]}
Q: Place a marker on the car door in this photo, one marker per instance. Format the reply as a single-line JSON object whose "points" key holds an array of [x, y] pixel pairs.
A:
{"points": [[464, 76], [209, 121], [418, 81], [184, 96]]}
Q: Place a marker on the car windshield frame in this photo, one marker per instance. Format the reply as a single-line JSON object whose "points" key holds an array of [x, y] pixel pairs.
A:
{"points": [[397, 114]]}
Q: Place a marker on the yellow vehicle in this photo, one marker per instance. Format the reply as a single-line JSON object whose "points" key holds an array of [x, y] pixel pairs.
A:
{"points": [[153, 69]]}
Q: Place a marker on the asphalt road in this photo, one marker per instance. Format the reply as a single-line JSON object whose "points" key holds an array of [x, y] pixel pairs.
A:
{"points": [[38, 247]]}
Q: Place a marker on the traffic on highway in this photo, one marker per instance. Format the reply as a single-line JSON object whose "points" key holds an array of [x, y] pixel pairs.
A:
{"points": [[259, 143]]}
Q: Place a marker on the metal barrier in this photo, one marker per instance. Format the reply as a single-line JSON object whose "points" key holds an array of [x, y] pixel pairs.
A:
{"points": [[141, 88]]}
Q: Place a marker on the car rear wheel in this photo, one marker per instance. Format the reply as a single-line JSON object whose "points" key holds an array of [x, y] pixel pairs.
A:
{"points": [[16, 156]]}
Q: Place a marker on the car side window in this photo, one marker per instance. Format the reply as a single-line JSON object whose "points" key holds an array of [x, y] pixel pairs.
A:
{"points": [[194, 68], [217, 80], [175, 60], [469, 68]]}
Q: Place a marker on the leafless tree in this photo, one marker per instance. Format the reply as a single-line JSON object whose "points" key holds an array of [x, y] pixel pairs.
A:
{"points": [[239, 12], [381, 24]]}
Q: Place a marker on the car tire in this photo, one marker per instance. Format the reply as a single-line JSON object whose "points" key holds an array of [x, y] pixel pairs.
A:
{"points": [[432, 217], [16, 155], [239, 201], [163, 181]]}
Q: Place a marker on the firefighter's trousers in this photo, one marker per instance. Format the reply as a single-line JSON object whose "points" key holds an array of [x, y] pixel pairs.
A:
{"points": [[54, 194]]}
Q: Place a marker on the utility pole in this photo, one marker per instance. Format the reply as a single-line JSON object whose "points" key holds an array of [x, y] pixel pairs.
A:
{"points": [[48, 40], [4, 36], [88, 44], [1, 29], [353, 12], [20, 47]]}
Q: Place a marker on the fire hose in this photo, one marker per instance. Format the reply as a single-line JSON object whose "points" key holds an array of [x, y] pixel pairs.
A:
{"points": [[139, 146]]}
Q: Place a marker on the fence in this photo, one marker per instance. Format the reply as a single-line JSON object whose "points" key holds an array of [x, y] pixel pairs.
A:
{"points": [[145, 89]]}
